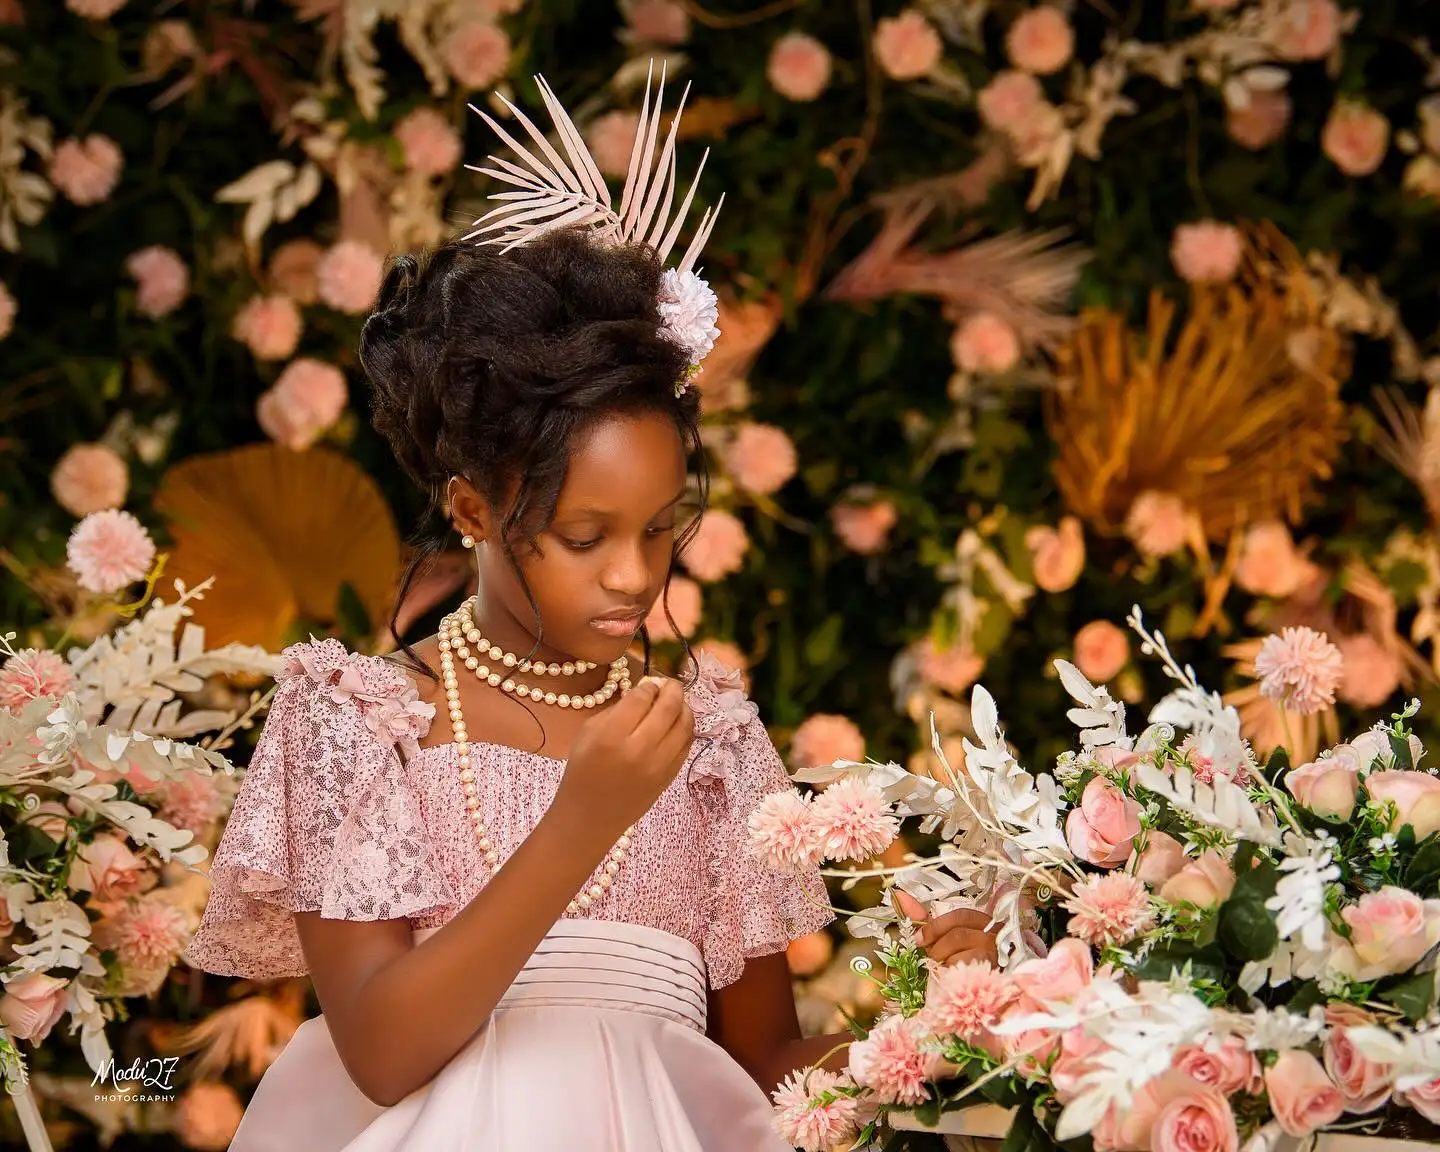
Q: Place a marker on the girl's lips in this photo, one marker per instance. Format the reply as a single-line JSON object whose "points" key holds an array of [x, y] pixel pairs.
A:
{"points": [[618, 626]]}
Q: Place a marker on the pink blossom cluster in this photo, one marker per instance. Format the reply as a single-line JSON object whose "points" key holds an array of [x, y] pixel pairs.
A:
{"points": [[849, 820]]}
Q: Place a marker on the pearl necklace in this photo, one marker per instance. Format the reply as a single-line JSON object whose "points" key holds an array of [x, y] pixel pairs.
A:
{"points": [[466, 617], [449, 630], [459, 628]]}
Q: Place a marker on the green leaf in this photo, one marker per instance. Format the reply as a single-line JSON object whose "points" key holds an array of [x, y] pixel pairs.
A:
{"points": [[1003, 1091], [1306, 997], [1400, 746], [1422, 874], [823, 643], [1277, 765], [350, 612], [858, 1030], [1022, 1128], [928, 1113], [1207, 963], [1246, 927], [1414, 996]]}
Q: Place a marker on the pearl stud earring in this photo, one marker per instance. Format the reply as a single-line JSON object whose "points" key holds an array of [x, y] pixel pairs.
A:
{"points": [[467, 541]]}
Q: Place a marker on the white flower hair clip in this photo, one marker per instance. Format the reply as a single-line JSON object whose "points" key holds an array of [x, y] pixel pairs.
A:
{"points": [[552, 192]]}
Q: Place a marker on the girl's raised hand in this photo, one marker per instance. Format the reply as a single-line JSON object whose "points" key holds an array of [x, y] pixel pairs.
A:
{"points": [[952, 937], [626, 755]]}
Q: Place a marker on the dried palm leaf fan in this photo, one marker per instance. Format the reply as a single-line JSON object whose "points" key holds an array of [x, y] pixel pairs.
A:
{"points": [[282, 532], [1238, 413]]}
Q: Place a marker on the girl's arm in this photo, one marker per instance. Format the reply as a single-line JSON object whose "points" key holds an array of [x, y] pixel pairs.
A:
{"points": [[398, 1011]]}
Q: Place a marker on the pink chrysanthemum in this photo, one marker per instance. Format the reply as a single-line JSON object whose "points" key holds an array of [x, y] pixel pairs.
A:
{"points": [[810, 1115], [783, 833], [891, 1063], [192, 802], [148, 934], [1111, 909], [854, 820], [348, 276], [967, 1000], [1300, 670], [109, 550], [30, 674]]}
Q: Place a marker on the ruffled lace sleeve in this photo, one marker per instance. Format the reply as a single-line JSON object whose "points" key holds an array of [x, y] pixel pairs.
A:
{"points": [[326, 819], [754, 911]]}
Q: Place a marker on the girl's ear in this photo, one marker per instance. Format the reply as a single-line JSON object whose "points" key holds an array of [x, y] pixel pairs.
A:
{"points": [[469, 512]]}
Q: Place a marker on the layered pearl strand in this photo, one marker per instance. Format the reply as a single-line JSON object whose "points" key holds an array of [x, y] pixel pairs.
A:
{"points": [[454, 631]]}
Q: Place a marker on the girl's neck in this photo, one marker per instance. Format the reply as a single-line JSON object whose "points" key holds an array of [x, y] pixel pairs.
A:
{"points": [[500, 627]]}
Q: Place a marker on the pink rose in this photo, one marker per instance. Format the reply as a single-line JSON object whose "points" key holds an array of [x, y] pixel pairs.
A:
{"points": [[293, 270], [799, 67], [718, 547], [161, 278], [1308, 29], [1163, 857], [1040, 41], [429, 142], [1261, 120], [1076, 1059], [611, 138], [1425, 1099], [1416, 796], [1301, 1095], [1101, 651], [1372, 671], [1063, 976], [1327, 787], [1364, 1083], [307, 399], [1228, 1068], [1270, 564], [108, 868], [269, 326], [686, 605], [1057, 555], [1158, 523], [1205, 882], [1100, 831], [760, 458], [952, 669], [348, 277], [659, 21], [907, 46], [1390, 930], [1009, 100], [1207, 251], [477, 54], [863, 527], [86, 172], [1356, 138], [823, 739], [984, 343], [32, 1005], [1195, 1119], [89, 478]]}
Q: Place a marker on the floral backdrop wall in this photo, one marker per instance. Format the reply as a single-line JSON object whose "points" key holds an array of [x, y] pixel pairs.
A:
{"points": [[1031, 312]]}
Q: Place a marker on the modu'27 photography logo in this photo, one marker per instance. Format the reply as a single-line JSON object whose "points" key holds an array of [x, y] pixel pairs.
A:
{"points": [[142, 1080]]}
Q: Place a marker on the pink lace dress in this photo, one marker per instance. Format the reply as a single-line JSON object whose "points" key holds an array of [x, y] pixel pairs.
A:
{"points": [[600, 1044]]}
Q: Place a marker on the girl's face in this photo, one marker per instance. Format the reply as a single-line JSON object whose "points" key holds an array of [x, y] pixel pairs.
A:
{"points": [[603, 560]]}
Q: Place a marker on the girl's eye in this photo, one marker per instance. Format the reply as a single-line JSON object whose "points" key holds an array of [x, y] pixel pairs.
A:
{"points": [[579, 545], [661, 529]]}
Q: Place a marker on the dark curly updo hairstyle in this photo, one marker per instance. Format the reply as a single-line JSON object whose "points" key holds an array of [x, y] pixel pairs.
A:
{"points": [[487, 365]]}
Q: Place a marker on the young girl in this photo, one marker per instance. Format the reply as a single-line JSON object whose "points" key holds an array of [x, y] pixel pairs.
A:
{"points": [[514, 864]]}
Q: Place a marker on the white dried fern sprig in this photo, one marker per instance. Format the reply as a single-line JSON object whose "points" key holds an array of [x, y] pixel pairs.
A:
{"points": [[559, 192], [1100, 718], [1220, 804]]}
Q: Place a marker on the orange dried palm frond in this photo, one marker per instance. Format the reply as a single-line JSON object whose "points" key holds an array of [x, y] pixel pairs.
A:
{"points": [[1238, 412], [247, 1034], [1410, 440]]}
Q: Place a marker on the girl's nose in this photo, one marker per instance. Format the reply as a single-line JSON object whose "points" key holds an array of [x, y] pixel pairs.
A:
{"points": [[628, 572]]}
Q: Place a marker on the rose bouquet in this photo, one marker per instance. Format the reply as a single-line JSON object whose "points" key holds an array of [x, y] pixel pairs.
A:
{"points": [[1239, 953], [107, 803]]}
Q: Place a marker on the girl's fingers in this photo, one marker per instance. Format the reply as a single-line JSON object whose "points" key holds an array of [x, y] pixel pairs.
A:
{"points": [[910, 907], [960, 918], [959, 943]]}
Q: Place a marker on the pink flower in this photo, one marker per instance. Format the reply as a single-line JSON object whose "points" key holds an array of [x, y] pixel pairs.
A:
{"points": [[429, 142], [967, 1000], [307, 399], [1425, 1099], [659, 21], [611, 139], [760, 457], [207, 1116], [807, 955], [348, 277], [1327, 787], [1101, 651], [1390, 931], [891, 1063], [1301, 1095], [1300, 670], [1364, 1083], [810, 1115], [824, 739], [108, 868], [686, 603], [89, 478], [863, 528], [1062, 977], [1355, 137], [799, 67], [163, 280], [986, 344], [1416, 796], [726, 654], [1009, 100], [30, 674], [269, 326], [718, 547], [293, 270], [108, 551], [1102, 829], [1227, 1066], [854, 819], [906, 46], [148, 934], [95, 9], [1194, 1118], [8, 308], [192, 802], [477, 54], [1205, 882], [783, 831], [1040, 41], [951, 669], [86, 172], [1372, 671], [1308, 29], [32, 1005], [1057, 555], [1270, 564], [1207, 251], [1076, 1058], [1261, 120], [1109, 910], [1163, 857]]}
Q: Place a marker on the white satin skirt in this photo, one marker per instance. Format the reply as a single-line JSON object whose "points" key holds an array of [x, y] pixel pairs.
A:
{"points": [[598, 1046]]}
